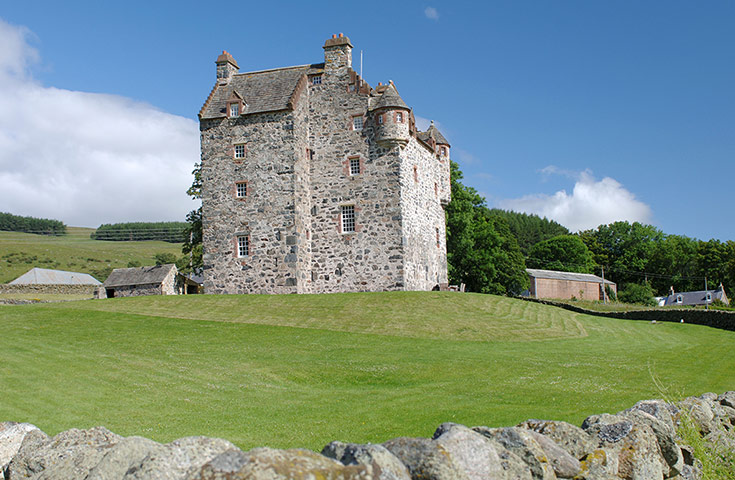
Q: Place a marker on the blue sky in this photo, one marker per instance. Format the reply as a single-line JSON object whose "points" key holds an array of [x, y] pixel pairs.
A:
{"points": [[583, 111]]}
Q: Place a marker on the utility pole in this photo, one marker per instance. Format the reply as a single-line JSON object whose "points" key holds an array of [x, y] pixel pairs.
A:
{"points": [[604, 292], [706, 293]]}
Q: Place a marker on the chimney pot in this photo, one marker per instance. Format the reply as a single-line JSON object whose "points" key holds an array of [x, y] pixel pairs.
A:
{"points": [[334, 35], [340, 35]]}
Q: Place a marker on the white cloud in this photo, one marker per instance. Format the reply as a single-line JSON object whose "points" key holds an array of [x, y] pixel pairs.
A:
{"points": [[591, 203], [87, 158], [431, 13]]}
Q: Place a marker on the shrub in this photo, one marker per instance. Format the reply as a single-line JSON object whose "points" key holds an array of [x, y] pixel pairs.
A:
{"points": [[637, 293]]}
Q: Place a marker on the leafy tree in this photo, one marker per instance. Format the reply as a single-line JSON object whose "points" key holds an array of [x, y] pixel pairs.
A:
{"points": [[673, 263], [193, 231], [165, 258], [566, 253], [623, 248], [529, 229], [716, 261], [43, 226], [508, 259], [641, 294], [477, 250]]}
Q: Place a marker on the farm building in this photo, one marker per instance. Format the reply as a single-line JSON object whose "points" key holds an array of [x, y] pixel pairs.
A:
{"points": [[44, 276], [565, 285], [156, 280], [702, 297]]}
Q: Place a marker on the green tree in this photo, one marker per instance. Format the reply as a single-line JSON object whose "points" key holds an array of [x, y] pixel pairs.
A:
{"points": [[673, 263], [477, 251], [165, 258], [529, 229], [566, 253], [624, 249], [193, 231], [641, 294]]}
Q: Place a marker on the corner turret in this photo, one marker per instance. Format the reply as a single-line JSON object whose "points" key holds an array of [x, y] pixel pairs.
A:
{"points": [[391, 117]]}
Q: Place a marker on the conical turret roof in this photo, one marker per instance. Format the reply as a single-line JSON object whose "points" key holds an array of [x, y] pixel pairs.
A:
{"points": [[433, 132], [437, 135], [390, 99]]}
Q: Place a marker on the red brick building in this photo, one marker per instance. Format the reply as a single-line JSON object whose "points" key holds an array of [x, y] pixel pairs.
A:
{"points": [[565, 285]]}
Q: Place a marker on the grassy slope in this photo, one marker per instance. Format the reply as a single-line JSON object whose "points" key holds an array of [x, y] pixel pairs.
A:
{"points": [[74, 252], [290, 371]]}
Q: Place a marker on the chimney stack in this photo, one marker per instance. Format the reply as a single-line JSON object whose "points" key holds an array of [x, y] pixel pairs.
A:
{"points": [[226, 67]]}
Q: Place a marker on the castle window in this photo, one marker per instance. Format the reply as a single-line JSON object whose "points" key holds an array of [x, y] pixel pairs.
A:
{"points": [[241, 189], [436, 189], [679, 299], [415, 173], [399, 117], [444, 151], [243, 245], [380, 119], [234, 110], [240, 150], [357, 123], [438, 240], [316, 80], [355, 166], [348, 218]]}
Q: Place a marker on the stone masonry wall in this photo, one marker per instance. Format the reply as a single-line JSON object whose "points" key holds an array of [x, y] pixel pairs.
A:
{"points": [[50, 289], [371, 257], [424, 227], [639, 443], [296, 168], [137, 290], [266, 214]]}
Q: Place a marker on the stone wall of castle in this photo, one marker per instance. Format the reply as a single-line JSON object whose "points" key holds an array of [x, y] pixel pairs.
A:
{"points": [[370, 258], [298, 177], [423, 216], [265, 215]]}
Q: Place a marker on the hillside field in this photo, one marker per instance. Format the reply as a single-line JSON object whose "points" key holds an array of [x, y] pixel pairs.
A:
{"points": [[75, 251], [302, 370]]}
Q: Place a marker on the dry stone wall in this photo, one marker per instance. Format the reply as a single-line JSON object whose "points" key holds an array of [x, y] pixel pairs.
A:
{"points": [[50, 289], [638, 443]]}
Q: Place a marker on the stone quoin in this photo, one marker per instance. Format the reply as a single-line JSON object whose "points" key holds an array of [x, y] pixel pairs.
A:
{"points": [[313, 182]]}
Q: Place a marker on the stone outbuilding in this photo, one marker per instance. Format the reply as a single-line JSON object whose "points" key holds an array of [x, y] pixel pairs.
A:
{"points": [[155, 280], [313, 182], [567, 285]]}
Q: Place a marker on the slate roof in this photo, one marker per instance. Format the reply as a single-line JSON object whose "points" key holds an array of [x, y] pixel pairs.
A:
{"points": [[139, 276], [263, 91], [389, 99], [43, 276], [576, 277], [433, 132], [696, 298]]}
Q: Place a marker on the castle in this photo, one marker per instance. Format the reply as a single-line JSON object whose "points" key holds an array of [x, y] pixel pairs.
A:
{"points": [[314, 182]]}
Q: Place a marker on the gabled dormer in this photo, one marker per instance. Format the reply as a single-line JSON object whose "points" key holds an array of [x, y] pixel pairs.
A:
{"points": [[235, 105]]}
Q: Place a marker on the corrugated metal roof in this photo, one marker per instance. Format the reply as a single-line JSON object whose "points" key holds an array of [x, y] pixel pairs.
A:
{"points": [[576, 277], [43, 276], [138, 276]]}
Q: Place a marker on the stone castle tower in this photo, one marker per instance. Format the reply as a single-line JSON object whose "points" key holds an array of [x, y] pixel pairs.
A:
{"points": [[313, 182]]}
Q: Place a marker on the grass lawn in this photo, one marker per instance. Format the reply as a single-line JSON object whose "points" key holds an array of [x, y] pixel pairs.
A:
{"points": [[75, 251], [302, 370]]}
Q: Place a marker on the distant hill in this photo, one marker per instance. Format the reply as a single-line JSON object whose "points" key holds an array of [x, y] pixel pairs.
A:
{"points": [[75, 251]]}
